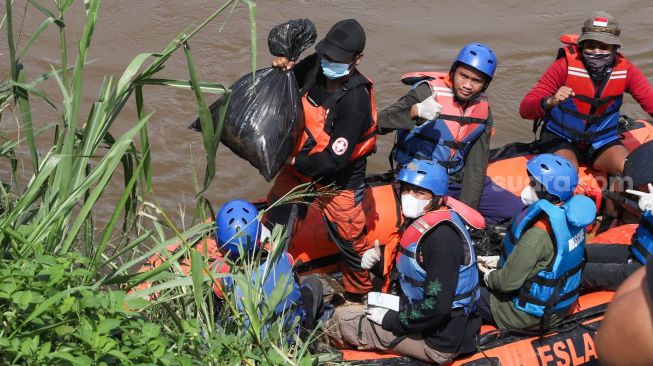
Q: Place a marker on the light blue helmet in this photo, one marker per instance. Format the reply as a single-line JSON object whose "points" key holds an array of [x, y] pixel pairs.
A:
{"points": [[237, 227], [556, 174], [478, 56], [426, 174]]}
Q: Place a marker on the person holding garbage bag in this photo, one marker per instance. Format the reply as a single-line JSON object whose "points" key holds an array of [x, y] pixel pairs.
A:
{"points": [[340, 132]]}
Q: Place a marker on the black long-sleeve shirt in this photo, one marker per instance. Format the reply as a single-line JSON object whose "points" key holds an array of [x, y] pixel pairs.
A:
{"points": [[397, 116], [442, 252], [352, 117]]}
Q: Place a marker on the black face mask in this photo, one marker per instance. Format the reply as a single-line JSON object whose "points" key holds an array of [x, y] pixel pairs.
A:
{"points": [[598, 64]]}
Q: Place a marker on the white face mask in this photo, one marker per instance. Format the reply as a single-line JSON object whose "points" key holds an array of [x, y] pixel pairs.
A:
{"points": [[529, 196], [413, 207]]}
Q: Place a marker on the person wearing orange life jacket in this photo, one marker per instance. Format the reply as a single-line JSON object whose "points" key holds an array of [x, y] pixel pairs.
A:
{"points": [[446, 117], [540, 268], [436, 268], [340, 132], [580, 95]]}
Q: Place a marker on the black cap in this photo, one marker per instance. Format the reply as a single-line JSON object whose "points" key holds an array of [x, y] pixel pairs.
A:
{"points": [[344, 40]]}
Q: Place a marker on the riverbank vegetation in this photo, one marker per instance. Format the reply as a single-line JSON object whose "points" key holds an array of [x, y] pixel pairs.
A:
{"points": [[70, 293]]}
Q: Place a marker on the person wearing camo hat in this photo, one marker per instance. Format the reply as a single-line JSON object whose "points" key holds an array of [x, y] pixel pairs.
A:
{"points": [[580, 95]]}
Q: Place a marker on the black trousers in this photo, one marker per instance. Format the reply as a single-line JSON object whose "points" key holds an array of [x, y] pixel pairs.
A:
{"points": [[484, 306], [608, 265]]}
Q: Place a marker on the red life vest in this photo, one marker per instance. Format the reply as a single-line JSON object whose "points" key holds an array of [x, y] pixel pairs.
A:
{"points": [[448, 138], [592, 115], [319, 122]]}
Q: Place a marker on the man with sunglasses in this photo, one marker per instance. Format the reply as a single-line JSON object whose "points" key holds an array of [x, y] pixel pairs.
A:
{"points": [[580, 94], [340, 132]]}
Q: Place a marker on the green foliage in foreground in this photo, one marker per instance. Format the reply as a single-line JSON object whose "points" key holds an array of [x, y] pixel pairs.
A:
{"points": [[70, 292], [49, 319]]}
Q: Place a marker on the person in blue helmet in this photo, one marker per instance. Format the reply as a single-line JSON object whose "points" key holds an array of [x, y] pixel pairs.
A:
{"points": [[446, 118], [436, 270], [239, 236], [540, 268]]}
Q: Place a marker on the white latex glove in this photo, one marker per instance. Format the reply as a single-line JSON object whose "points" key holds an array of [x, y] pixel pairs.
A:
{"points": [[371, 256], [489, 261], [429, 109], [645, 198], [486, 275], [483, 267], [376, 314]]}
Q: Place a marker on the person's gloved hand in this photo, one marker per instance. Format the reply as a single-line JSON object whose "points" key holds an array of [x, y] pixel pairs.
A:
{"points": [[428, 109], [486, 275], [376, 315], [371, 256], [645, 198], [483, 267], [489, 261]]}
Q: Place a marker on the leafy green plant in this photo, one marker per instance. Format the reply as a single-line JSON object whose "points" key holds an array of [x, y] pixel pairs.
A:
{"points": [[68, 290]]}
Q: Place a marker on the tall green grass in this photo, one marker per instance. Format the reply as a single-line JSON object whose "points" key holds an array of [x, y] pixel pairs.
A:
{"points": [[67, 288]]}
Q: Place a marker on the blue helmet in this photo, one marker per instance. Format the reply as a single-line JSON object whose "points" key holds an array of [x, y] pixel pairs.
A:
{"points": [[237, 227], [478, 56], [556, 174], [426, 174]]}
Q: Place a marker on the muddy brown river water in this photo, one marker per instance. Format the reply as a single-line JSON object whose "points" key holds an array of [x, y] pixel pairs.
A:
{"points": [[402, 36]]}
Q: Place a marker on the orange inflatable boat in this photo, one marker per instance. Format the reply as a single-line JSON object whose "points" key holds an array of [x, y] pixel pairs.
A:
{"points": [[573, 344], [508, 164]]}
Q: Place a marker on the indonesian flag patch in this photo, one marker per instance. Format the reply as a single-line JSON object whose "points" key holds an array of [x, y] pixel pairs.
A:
{"points": [[600, 22]]}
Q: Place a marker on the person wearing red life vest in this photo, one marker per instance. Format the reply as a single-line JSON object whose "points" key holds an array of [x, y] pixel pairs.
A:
{"points": [[340, 132], [446, 117], [580, 95]]}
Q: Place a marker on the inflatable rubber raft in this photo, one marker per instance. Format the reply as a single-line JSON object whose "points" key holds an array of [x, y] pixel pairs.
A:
{"points": [[507, 166], [573, 344]]}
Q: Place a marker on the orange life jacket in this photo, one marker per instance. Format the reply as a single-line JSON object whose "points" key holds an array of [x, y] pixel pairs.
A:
{"points": [[319, 122]]}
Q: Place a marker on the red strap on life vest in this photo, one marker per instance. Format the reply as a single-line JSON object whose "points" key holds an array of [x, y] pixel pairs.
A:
{"points": [[468, 214]]}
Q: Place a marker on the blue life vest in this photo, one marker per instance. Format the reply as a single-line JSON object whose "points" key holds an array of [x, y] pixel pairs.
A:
{"points": [[448, 138], [278, 276], [412, 275], [592, 115], [642, 245], [556, 287]]}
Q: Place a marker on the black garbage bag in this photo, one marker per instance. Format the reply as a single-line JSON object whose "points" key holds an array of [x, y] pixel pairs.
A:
{"points": [[264, 118], [290, 39]]}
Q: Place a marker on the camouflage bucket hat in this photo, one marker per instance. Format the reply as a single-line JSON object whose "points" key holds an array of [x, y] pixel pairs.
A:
{"points": [[601, 27]]}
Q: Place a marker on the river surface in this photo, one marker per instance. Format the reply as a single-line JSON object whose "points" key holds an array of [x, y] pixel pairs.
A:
{"points": [[402, 36]]}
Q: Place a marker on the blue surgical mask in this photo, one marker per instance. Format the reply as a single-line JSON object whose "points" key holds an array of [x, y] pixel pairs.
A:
{"points": [[334, 70]]}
